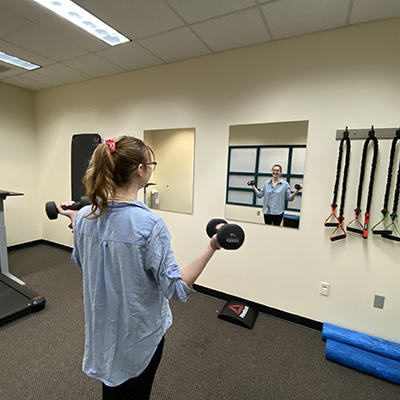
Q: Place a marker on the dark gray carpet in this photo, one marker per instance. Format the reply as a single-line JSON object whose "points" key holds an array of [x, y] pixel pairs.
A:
{"points": [[205, 358]]}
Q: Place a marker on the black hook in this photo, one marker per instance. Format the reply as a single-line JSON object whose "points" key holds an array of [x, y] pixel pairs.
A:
{"points": [[346, 133], [371, 133]]}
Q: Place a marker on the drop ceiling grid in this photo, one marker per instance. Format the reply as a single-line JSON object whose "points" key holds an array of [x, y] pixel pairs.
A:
{"points": [[241, 29], [162, 31], [194, 10], [45, 43], [134, 18]]}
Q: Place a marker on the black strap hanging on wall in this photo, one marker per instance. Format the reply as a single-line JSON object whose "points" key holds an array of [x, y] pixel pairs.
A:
{"points": [[393, 216], [385, 210], [363, 229], [332, 219]]}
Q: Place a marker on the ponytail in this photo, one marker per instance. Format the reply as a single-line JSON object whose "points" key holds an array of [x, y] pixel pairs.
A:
{"points": [[111, 166]]}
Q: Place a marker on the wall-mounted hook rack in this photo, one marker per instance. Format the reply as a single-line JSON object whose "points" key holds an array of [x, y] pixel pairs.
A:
{"points": [[362, 134]]}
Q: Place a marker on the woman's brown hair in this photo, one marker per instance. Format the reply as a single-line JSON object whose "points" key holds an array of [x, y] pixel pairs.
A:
{"points": [[111, 169], [277, 165]]}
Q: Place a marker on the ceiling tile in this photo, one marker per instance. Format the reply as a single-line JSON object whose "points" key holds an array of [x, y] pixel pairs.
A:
{"points": [[370, 10], [175, 45], [26, 55], [299, 17], [44, 42], [10, 22], [63, 73], [7, 70], [25, 83], [130, 56], [195, 10], [241, 29], [4, 67], [35, 76], [27, 9], [71, 32], [134, 18], [94, 66]]}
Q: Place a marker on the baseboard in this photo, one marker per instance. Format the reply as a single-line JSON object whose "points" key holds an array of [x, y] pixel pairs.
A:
{"points": [[295, 319], [38, 242], [23, 245]]}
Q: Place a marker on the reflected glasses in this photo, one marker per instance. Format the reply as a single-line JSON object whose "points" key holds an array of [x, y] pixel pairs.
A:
{"points": [[152, 164]]}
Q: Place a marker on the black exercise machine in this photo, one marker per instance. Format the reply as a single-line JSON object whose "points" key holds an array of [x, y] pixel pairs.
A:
{"points": [[15, 299]]}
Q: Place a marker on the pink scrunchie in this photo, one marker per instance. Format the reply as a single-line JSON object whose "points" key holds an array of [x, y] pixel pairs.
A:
{"points": [[111, 145]]}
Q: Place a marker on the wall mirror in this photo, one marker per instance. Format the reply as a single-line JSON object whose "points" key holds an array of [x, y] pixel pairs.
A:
{"points": [[171, 186], [253, 150]]}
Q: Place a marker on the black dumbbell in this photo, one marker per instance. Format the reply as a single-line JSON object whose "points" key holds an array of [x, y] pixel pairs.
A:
{"points": [[52, 212], [251, 183], [297, 186], [229, 236]]}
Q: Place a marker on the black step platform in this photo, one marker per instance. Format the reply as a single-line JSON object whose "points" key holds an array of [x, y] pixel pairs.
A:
{"points": [[239, 313]]}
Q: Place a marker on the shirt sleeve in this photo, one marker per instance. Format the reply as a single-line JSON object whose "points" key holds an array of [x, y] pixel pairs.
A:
{"points": [[288, 192], [162, 264], [262, 191], [75, 253]]}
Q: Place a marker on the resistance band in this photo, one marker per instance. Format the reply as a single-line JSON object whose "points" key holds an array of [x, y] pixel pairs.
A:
{"points": [[333, 220], [363, 229], [393, 215], [385, 211]]}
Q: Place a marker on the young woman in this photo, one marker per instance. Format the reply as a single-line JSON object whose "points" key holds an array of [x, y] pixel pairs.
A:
{"points": [[129, 271], [275, 193]]}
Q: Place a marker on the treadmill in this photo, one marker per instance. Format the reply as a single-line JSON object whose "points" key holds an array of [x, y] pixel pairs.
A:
{"points": [[15, 299]]}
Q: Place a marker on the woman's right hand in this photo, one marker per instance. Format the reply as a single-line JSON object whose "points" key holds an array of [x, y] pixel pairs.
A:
{"points": [[214, 243], [68, 212]]}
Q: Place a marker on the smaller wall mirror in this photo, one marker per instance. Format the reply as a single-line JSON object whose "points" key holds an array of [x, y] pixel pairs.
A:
{"points": [[253, 150], [171, 186]]}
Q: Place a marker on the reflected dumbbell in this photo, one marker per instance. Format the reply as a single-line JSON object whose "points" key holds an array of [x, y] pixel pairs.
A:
{"points": [[229, 236], [251, 183], [52, 212]]}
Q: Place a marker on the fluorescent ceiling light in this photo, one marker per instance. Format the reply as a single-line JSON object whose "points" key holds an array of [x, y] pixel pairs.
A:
{"points": [[17, 61], [80, 17]]}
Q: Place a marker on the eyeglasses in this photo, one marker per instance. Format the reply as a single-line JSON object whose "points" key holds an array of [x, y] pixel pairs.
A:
{"points": [[152, 164]]}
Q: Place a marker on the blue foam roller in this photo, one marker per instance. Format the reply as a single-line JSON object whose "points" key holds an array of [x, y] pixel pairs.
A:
{"points": [[362, 341], [364, 361]]}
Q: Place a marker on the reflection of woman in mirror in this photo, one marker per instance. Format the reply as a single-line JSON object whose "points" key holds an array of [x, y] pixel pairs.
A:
{"points": [[275, 192]]}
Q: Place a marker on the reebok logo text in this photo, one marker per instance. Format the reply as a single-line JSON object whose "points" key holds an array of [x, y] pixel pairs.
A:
{"points": [[240, 310]]}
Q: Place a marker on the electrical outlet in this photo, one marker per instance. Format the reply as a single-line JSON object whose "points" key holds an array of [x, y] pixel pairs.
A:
{"points": [[324, 289], [258, 213], [379, 301]]}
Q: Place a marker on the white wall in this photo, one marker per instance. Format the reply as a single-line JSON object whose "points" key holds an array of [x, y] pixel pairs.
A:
{"points": [[18, 164], [341, 78]]}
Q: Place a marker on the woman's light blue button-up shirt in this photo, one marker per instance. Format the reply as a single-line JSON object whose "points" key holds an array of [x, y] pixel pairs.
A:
{"points": [[129, 274], [275, 197]]}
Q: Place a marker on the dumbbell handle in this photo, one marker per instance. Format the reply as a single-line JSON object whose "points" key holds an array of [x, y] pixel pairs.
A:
{"points": [[84, 201], [52, 212]]}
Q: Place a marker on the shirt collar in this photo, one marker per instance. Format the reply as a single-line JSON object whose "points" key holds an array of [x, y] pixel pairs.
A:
{"points": [[116, 204]]}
